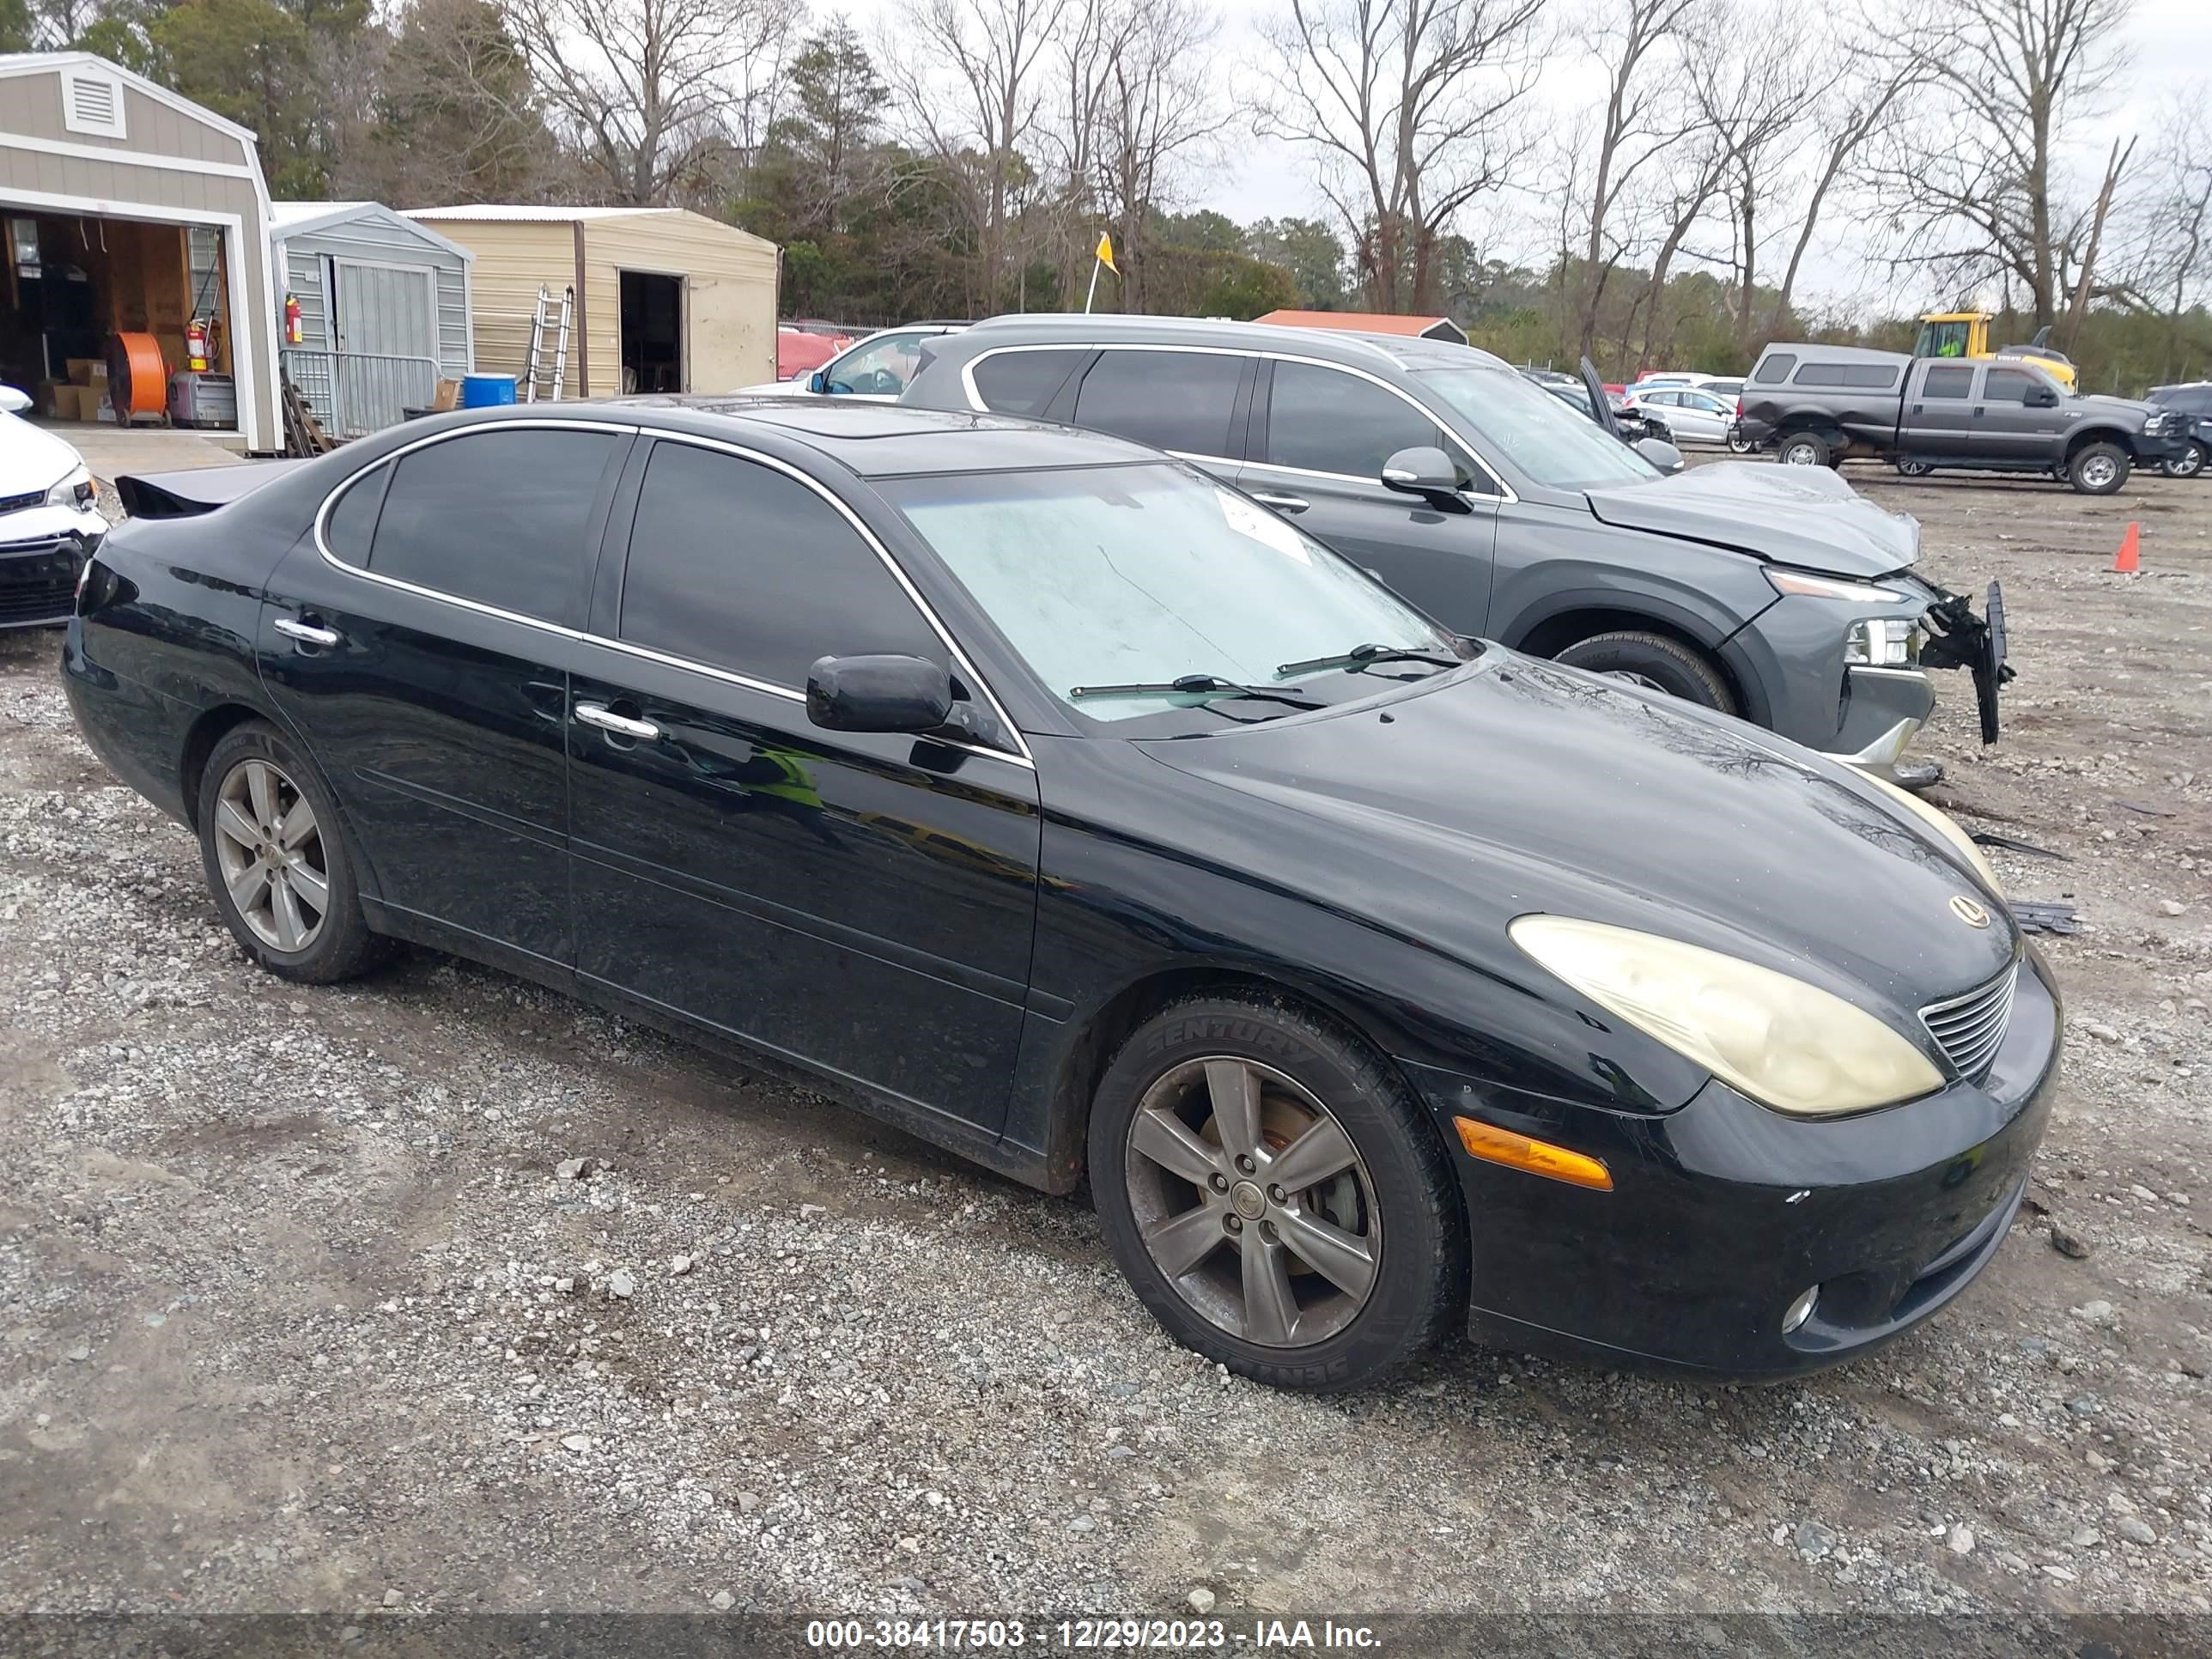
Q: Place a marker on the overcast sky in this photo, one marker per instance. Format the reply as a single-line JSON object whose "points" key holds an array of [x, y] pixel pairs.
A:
{"points": [[2169, 42]]}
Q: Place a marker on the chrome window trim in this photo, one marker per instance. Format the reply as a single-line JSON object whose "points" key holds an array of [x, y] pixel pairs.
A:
{"points": [[1504, 494], [1021, 755]]}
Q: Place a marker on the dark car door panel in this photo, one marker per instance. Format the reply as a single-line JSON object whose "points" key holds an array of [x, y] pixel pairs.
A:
{"points": [[421, 642], [863, 902], [867, 898]]}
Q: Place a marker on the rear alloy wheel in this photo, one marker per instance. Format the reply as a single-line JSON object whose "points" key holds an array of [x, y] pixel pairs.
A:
{"points": [[2098, 469], [1274, 1195], [1908, 469], [1803, 449], [1655, 662], [1738, 444], [277, 861], [2190, 464]]}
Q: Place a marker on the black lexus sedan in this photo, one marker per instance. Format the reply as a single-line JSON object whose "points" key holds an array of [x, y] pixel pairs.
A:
{"points": [[1037, 793]]}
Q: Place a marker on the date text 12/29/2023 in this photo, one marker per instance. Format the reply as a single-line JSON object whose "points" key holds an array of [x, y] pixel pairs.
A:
{"points": [[1081, 1635]]}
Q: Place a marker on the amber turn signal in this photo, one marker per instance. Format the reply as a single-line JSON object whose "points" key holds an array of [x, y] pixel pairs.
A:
{"points": [[1496, 1145]]}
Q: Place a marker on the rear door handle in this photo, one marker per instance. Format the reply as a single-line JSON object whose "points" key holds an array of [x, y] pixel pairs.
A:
{"points": [[606, 719], [1280, 503], [307, 633]]}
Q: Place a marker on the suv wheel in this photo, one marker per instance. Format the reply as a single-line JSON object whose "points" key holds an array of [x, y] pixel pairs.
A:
{"points": [[2098, 469], [1276, 1195], [1655, 662], [2190, 464], [277, 861], [1908, 469], [1803, 449]]}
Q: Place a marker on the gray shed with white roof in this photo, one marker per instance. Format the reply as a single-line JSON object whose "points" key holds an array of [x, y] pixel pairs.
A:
{"points": [[384, 305]]}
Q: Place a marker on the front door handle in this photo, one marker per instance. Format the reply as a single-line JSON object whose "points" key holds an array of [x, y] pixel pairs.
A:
{"points": [[606, 719], [1280, 503], [307, 633]]}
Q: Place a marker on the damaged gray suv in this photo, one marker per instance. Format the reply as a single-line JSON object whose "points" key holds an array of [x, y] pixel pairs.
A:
{"points": [[1772, 593]]}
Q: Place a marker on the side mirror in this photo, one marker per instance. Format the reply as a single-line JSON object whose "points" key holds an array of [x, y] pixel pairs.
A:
{"points": [[1659, 454], [817, 381], [2042, 397], [1425, 471], [879, 693], [12, 401]]}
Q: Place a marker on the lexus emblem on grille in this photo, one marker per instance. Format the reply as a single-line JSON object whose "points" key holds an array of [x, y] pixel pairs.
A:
{"points": [[1967, 911]]}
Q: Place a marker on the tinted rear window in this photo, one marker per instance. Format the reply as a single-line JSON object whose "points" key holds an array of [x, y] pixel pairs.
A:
{"points": [[1774, 368], [1863, 376], [1949, 383], [1023, 382], [353, 517], [1179, 401], [501, 517]]}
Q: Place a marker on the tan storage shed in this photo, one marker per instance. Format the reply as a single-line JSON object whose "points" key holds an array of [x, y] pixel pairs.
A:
{"points": [[666, 300], [125, 208]]}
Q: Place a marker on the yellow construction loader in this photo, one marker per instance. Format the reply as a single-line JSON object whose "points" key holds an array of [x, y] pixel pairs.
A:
{"points": [[1966, 334]]}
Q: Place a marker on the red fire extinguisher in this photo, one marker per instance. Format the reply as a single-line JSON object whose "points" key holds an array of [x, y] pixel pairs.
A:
{"points": [[196, 345], [293, 332]]}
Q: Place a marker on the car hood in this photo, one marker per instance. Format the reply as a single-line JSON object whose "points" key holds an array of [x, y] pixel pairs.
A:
{"points": [[1804, 516], [1516, 786], [31, 459]]}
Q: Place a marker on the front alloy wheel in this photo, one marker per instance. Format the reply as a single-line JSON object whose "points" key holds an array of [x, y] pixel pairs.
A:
{"points": [[2189, 464], [270, 849], [1253, 1202], [1275, 1194]]}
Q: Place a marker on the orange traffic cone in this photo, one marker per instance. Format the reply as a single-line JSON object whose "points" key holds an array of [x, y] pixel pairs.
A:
{"points": [[2128, 560]]}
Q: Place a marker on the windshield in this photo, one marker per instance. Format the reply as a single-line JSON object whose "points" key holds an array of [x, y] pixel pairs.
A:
{"points": [[1116, 576], [1546, 440]]}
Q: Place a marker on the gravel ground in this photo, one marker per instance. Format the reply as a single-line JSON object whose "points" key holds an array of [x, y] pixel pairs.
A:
{"points": [[307, 1303]]}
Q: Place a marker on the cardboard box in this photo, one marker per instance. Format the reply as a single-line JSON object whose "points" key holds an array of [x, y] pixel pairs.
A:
{"points": [[49, 399], [65, 401], [80, 370], [448, 397]]}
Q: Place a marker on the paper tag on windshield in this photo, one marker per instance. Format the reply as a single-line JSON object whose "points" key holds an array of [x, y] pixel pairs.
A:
{"points": [[1247, 520]]}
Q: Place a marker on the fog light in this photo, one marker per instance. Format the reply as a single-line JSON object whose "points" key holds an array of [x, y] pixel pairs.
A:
{"points": [[1799, 1310], [1882, 642]]}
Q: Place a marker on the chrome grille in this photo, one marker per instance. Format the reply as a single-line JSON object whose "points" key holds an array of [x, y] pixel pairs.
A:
{"points": [[1968, 1029]]}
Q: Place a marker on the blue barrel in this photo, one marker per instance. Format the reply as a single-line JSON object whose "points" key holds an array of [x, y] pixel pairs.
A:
{"points": [[486, 391]]}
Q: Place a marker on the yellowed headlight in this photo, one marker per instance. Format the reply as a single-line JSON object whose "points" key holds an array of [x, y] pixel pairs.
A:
{"points": [[1785, 1043], [1944, 825]]}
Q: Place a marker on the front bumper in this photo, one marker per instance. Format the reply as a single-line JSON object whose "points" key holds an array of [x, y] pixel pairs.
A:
{"points": [[1723, 1213], [42, 549]]}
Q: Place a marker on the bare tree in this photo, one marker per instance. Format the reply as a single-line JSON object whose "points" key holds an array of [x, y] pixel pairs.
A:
{"points": [[969, 80], [2086, 263], [1637, 42], [643, 90], [1979, 189], [1142, 106], [2175, 261], [1411, 108], [1864, 95], [1756, 78]]}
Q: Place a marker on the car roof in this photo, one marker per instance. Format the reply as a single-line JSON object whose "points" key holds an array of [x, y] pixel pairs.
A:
{"points": [[878, 440], [1350, 346], [1839, 354]]}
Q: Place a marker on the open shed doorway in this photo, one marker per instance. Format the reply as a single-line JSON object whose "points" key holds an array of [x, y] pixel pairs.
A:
{"points": [[651, 331], [71, 283]]}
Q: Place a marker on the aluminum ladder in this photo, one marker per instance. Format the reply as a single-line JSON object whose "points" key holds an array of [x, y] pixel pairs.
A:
{"points": [[539, 320]]}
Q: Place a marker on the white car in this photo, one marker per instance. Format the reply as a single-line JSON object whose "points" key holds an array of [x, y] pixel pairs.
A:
{"points": [[1692, 414], [874, 370], [48, 526]]}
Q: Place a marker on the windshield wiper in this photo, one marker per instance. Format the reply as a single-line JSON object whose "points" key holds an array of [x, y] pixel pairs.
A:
{"points": [[1198, 684], [1361, 656]]}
